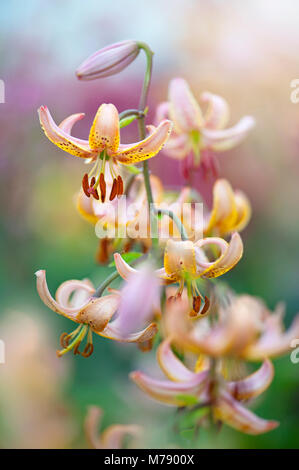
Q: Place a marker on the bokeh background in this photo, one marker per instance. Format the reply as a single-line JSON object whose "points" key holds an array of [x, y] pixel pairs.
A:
{"points": [[245, 51]]}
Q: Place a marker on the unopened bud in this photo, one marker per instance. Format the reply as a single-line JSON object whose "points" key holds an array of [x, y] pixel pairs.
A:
{"points": [[108, 61]]}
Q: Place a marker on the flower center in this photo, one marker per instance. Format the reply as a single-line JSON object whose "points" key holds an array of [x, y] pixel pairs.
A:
{"points": [[72, 341]]}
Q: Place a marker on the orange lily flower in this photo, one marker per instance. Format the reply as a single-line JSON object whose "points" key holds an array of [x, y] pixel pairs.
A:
{"points": [[103, 145]]}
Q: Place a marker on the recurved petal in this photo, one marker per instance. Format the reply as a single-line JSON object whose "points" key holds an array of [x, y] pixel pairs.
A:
{"points": [[162, 111], [72, 145], [224, 213], [235, 415], [177, 146], [113, 437], [254, 384], [67, 288], [67, 124], [230, 254], [112, 332], [172, 367], [226, 139], [243, 210], [167, 391], [124, 269], [217, 114], [147, 148], [184, 110], [273, 344], [91, 426], [104, 132]]}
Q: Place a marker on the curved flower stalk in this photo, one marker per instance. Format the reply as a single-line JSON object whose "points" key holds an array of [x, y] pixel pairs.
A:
{"points": [[113, 437], [194, 131], [103, 145], [245, 329], [224, 399], [74, 300], [231, 211], [185, 261]]}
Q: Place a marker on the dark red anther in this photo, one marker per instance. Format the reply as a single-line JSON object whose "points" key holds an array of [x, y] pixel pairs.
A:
{"points": [[120, 185], [196, 303], [206, 306], [102, 187], [114, 189], [85, 185], [88, 350]]}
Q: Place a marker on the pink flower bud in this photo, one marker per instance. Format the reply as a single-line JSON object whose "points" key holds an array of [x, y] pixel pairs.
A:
{"points": [[108, 61]]}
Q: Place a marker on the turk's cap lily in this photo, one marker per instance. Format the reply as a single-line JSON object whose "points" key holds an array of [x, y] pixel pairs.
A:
{"points": [[245, 329], [226, 406], [74, 299], [103, 145], [113, 437], [108, 61], [195, 130], [231, 210]]}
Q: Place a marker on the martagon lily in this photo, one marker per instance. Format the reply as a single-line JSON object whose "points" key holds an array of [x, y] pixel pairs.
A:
{"points": [[74, 300], [185, 261], [195, 132], [103, 146], [224, 398]]}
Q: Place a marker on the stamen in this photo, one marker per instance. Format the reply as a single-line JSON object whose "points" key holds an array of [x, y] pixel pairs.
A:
{"points": [[196, 303], [114, 190], [82, 329], [85, 185], [206, 306], [88, 350], [120, 186], [102, 187]]}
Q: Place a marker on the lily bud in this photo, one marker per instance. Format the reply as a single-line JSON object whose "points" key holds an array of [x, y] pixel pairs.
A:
{"points": [[108, 61]]}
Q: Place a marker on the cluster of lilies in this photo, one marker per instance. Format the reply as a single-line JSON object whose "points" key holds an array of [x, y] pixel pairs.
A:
{"points": [[204, 328]]}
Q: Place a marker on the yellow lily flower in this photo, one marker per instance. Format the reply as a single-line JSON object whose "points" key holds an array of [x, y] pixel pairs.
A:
{"points": [[103, 145], [225, 399], [92, 314], [185, 261], [231, 210]]}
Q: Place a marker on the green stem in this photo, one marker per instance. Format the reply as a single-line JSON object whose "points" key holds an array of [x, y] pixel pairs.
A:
{"points": [[176, 220]]}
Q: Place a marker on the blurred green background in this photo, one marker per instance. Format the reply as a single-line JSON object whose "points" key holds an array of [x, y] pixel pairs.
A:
{"points": [[245, 51]]}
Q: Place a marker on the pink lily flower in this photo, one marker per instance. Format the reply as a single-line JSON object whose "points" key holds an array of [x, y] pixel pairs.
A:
{"points": [[225, 399], [185, 261], [196, 133], [92, 314], [103, 146], [113, 437], [245, 329]]}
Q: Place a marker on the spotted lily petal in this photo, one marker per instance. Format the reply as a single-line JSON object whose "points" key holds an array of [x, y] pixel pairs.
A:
{"points": [[104, 132], [147, 148], [217, 114], [60, 305], [235, 415], [112, 332], [243, 209], [167, 391], [72, 145], [253, 385], [67, 124], [125, 270], [99, 312], [184, 110], [226, 139], [224, 213], [179, 257], [231, 253], [172, 367]]}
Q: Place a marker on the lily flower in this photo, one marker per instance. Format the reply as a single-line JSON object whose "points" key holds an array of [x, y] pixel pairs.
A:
{"points": [[231, 211], [74, 300], [196, 132], [103, 146], [245, 329], [224, 399], [185, 261], [113, 437]]}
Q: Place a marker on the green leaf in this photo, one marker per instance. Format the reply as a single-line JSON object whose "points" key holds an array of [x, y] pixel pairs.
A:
{"points": [[128, 257], [188, 400]]}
